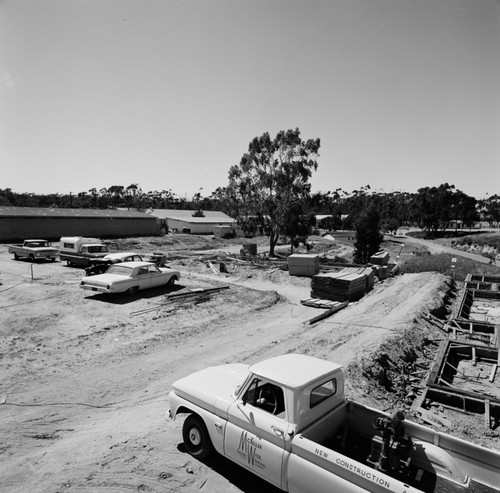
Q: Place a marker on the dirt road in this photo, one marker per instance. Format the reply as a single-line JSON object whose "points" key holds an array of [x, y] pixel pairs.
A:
{"points": [[85, 378], [435, 247]]}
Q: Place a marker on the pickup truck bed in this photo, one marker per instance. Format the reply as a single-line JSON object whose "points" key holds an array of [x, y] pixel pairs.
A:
{"points": [[346, 448]]}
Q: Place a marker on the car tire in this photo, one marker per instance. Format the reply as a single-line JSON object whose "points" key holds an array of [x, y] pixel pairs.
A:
{"points": [[16, 256], [68, 263], [132, 291], [31, 258], [196, 438], [171, 281]]}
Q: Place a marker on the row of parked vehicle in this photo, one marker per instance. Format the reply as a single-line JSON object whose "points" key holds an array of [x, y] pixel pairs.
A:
{"points": [[105, 272]]}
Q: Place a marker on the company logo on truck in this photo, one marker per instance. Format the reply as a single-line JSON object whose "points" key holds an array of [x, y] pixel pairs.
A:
{"points": [[249, 449]]}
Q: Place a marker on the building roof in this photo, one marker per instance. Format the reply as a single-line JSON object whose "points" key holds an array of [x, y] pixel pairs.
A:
{"points": [[9, 211], [187, 216]]}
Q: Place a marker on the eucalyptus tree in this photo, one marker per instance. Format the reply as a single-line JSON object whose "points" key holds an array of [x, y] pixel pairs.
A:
{"points": [[272, 181], [490, 210], [436, 207]]}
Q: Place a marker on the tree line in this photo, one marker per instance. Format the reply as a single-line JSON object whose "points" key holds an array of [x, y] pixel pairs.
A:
{"points": [[269, 193]]}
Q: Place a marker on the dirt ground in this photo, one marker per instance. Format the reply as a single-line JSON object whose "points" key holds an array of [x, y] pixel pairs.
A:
{"points": [[85, 378]]}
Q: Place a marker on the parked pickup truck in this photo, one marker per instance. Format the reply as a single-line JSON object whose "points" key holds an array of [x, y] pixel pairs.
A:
{"points": [[77, 250], [286, 419], [34, 250]]}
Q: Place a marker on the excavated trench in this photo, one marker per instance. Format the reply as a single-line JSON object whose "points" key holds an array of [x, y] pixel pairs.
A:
{"points": [[396, 371]]}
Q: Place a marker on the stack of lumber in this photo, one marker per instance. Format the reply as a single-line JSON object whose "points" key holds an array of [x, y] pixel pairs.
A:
{"points": [[303, 265], [340, 286], [380, 258], [368, 272]]}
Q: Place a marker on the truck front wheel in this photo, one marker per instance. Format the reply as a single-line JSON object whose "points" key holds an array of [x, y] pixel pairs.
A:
{"points": [[196, 438]]}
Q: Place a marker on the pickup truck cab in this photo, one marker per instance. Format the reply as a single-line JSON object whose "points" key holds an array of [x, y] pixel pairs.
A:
{"points": [[286, 419], [34, 250], [81, 251]]}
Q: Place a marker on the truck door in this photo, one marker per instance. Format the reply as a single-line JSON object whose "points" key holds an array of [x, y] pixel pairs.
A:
{"points": [[255, 432]]}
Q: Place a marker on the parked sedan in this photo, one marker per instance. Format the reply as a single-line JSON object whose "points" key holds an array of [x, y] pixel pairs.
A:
{"points": [[101, 265], [130, 277]]}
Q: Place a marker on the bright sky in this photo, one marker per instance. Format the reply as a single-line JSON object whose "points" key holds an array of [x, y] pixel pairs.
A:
{"points": [[167, 94]]}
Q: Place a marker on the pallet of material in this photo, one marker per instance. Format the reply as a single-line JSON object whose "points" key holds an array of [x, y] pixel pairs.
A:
{"points": [[380, 258], [381, 272], [325, 304], [338, 286], [303, 265]]}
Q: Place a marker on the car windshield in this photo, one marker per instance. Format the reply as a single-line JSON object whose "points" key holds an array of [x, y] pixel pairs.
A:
{"points": [[121, 270]]}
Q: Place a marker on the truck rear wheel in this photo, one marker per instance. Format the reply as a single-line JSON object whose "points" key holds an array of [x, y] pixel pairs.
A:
{"points": [[16, 256], [196, 438]]}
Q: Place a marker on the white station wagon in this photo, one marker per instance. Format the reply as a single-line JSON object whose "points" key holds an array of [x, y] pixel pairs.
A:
{"points": [[130, 277]]}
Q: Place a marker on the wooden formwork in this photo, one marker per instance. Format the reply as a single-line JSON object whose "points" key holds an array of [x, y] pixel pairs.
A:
{"points": [[463, 376], [473, 394]]}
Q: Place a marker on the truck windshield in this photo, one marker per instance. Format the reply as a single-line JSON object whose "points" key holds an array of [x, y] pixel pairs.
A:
{"points": [[36, 244], [97, 249], [266, 396]]}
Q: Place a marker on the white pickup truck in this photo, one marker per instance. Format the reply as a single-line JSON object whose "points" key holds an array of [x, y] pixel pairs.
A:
{"points": [[286, 419], [34, 250]]}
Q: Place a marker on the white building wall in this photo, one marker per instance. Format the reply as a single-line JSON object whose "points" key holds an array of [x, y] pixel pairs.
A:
{"points": [[178, 226]]}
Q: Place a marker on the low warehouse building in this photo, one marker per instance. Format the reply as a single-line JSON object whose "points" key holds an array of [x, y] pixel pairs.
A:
{"points": [[187, 221], [19, 223]]}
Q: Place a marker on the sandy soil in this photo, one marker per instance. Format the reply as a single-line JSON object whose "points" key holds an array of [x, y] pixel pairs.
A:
{"points": [[85, 378]]}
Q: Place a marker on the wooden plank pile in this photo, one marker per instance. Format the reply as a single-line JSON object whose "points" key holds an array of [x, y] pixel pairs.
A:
{"points": [[339, 286], [328, 312], [326, 304], [369, 274]]}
